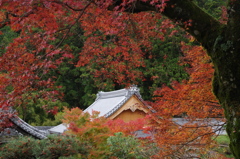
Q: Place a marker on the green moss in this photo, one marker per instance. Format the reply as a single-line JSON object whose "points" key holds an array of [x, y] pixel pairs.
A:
{"points": [[223, 148], [223, 139], [227, 45]]}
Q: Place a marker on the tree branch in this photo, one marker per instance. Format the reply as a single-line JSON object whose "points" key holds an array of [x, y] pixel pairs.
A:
{"points": [[8, 20], [68, 6]]}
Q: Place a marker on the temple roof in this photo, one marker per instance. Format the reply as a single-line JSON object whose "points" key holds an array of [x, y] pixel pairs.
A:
{"points": [[108, 103], [25, 128], [21, 127]]}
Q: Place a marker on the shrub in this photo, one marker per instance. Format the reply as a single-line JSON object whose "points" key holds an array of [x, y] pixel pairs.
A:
{"points": [[57, 146], [18, 148], [51, 148], [125, 147]]}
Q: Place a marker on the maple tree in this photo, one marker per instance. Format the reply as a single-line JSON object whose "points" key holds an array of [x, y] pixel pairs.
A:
{"points": [[221, 42], [194, 102], [195, 93], [104, 74], [39, 48]]}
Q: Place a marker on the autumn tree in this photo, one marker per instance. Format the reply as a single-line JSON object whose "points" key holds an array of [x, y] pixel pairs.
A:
{"points": [[187, 113], [192, 98], [221, 42], [41, 47], [80, 84]]}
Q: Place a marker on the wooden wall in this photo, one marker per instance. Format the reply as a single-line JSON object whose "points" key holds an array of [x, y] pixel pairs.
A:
{"points": [[133, 109], [128, 115]]}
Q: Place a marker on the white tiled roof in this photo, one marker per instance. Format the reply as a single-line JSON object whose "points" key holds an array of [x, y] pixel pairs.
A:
{"points": [[109, 102], [58, 129]]}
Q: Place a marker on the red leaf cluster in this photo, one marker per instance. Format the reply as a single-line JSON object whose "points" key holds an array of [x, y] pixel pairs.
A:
{"points": [[114, 47], [194, 104]]}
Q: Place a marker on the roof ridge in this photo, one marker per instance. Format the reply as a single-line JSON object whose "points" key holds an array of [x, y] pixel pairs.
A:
{"points": [[116, 93], [111, 94]]}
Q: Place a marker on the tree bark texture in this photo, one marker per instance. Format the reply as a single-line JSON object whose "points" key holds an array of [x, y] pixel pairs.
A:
{"points": [[222, 43]]}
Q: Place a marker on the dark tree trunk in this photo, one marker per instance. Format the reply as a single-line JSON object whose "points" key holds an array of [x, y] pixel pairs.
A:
{"points": [[226, 58]]}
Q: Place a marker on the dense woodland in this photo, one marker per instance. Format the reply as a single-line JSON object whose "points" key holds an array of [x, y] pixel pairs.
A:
{"points": [[56, 55]]}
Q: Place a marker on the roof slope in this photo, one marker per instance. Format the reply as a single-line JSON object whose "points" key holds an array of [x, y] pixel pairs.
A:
{"points": [[109, 102], [59, 129], [28, 129], [21, 127]]}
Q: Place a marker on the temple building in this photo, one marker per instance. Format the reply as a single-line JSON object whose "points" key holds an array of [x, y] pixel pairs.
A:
{"points": [[126, 104]]}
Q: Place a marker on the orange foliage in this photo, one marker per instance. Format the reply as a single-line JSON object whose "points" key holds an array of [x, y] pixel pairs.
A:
{"points": [[115, 43], [118, 125], [79, 122], [194, 97], [96, 130], [194, 101]]}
